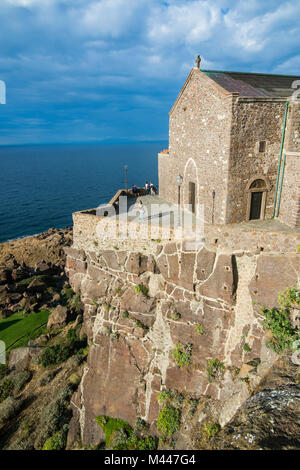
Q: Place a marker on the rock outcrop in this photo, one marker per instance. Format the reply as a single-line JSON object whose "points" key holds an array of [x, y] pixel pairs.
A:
{"points": [[155, 322]]}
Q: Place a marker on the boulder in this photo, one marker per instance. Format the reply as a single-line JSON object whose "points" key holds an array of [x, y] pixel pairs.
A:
{"points": [[19, 358], [58, 318]]}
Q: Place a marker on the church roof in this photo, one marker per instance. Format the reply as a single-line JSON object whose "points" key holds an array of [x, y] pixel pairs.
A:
{"points": [[254, 84]]}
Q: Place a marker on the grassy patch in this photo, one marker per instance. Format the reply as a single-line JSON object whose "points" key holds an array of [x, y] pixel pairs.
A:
{"points": [[18, 329], [41, 277], [110, 426], [119, 435]]}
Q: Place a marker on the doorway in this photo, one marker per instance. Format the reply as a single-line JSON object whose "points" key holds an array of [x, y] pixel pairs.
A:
{"points": [[256, 200], [192, 196], [257, 190]]}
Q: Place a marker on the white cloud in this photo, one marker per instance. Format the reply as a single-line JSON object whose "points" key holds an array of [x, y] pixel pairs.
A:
{"points": [[186, 23]]}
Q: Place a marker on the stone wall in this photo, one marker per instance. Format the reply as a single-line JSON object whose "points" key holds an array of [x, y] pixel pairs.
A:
{"points": [[199, 145], [290, 199], [132, 336], [141, 237], [293, 128], [254, 120]]}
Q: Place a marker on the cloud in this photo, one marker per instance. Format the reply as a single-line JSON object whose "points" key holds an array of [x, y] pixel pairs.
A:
{"points": [[97, 61]]}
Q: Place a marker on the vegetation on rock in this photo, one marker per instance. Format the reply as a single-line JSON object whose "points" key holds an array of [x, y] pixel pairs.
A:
{"points": [[182, 354], [278, 321]]}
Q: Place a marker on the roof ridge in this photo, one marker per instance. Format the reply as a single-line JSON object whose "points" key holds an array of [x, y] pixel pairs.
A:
{"points": [[250, 73]]}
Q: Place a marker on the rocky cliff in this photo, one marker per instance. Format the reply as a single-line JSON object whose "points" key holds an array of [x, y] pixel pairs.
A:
{"points": [[188, 323]]}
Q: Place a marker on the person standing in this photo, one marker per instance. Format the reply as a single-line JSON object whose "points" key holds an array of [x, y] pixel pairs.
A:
{"points": [[152, 190], [147, 187], [141, 209]]}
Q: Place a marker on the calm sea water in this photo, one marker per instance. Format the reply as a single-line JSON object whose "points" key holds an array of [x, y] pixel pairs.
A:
{"points": [[40, 186]]}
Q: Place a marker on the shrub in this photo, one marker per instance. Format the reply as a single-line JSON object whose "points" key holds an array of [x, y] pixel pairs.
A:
{"points": [[175, 316], [278, 322], [283, 334], [182, 354], [56, 415], [168, 420], [115, 336], [6, 389], [214, 369], [211, 429], [141, 289], [3, 370], [170, 397], [199, 329], [58, 441], [61, 351], [125, 314], [247, 348]]}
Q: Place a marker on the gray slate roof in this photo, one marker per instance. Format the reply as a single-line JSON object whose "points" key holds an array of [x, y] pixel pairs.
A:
{"points": [[254, 84]]}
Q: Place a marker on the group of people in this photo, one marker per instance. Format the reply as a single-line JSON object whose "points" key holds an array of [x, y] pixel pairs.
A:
{"points": [[149, 188]]}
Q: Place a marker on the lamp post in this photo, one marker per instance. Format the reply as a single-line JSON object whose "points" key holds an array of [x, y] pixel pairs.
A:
{"points": [[179, 181], [126, 185]]}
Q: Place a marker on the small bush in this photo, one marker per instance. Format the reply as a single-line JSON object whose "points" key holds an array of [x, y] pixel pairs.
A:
{"points": [[170, 397], [215, 369], [115, 336], [141, 289], [247, 348], [57, 442], [63, 350], [199, 329], [6, 389], [168, 420], [182, 354], [125, 314], [278, 322], [175, 316], [3, 370], [211, 429], [283, 334]]}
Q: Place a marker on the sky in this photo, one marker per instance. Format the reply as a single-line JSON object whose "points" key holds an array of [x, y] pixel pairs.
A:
{"points": [[109, 70]]}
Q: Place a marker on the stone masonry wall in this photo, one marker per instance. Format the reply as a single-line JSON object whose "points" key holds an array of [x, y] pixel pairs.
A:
{"points": [[253, 120], [293, 128], [199, 144], [131, 355], [145, 239], [290, 199]]}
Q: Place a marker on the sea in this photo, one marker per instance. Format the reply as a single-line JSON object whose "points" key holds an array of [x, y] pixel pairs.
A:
{"points": [[41, 185]]}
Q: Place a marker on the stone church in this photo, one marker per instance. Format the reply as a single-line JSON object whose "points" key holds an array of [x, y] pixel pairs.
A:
{"points": [[234, 142]]}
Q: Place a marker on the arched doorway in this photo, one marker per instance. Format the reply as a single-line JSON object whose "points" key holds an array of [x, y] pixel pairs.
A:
{"points": [[190, 185], [257, 195]]}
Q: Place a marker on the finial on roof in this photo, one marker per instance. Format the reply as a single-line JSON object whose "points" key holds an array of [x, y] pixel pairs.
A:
{"points": [[198, 60]]}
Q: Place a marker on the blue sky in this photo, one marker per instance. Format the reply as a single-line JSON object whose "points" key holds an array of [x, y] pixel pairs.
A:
{"points": [[92, 70]]}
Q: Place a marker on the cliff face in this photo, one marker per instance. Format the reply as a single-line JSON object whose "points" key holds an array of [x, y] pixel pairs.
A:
{"points": [[174, 319]]}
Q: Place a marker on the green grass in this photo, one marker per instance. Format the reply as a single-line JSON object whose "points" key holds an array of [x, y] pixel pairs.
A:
{"points": [[112, 425], [22, 327]]}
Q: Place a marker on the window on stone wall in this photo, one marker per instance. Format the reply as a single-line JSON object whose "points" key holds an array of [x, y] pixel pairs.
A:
{"points": [[262, 146]]}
